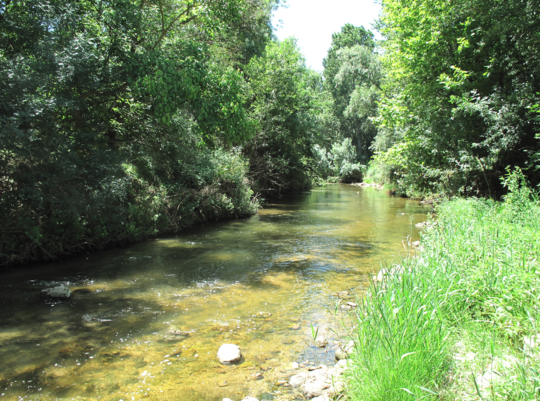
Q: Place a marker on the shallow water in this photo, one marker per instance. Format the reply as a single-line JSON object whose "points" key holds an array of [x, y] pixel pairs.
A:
{"points": [[146, 322]]}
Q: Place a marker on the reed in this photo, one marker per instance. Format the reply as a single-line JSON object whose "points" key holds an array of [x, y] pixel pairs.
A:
{"points": [[459, 321]]}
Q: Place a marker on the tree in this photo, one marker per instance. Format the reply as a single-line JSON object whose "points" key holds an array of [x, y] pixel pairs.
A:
{"points": [[462, 77], [353, 75], [282, 97], [97, 100]]}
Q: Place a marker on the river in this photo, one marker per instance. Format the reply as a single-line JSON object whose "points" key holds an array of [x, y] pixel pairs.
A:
{"points": [[145, 322]]}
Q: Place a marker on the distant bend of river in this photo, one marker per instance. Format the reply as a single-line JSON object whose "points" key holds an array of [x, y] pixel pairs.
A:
{"points": [[146, 322]]}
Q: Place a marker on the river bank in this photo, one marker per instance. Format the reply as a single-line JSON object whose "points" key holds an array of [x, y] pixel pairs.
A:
{"points": [[460, 321]]}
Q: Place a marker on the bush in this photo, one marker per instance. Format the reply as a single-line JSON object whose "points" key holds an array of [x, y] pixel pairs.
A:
{"points": [[339, 162], [125, 208]]}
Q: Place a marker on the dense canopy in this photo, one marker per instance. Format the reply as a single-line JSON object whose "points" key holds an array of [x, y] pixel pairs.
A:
{"points": [[124, 119]]}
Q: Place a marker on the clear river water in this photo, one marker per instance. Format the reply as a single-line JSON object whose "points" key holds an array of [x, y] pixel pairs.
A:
{"points": [[146, 322]]}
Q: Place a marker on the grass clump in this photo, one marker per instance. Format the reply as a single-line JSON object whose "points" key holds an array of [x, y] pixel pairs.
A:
{"points": [[459, 321]]}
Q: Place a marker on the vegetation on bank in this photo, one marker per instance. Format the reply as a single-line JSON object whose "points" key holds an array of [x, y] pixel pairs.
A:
{"points": [[460, 320], [125, 119], [460, 93]]}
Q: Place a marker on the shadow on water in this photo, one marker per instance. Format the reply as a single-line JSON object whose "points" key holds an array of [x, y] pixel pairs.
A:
{"points": [[146, 321]]}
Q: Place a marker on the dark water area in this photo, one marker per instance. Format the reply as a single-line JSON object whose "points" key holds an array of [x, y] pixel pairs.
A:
{"points": [[146, 322]]}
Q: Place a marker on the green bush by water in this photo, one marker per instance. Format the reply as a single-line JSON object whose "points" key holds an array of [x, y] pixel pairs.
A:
{"points": [[339, 163], [458, 323], [136, 203]]}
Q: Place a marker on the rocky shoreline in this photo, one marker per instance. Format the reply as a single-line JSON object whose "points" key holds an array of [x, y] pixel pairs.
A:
{"points": [[321, 383]]}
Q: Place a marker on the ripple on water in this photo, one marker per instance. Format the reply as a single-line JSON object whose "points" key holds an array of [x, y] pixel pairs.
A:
{"points": [[146, 322]]}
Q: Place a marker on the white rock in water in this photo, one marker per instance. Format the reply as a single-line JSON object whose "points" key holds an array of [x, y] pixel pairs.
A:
{"points": [[229, 353], [250, 399], [57, 292]]}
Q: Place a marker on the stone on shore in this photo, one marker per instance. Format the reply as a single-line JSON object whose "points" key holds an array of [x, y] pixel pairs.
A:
{"points": [[531, 345], [315, 388], [385, 274], [321, 342], [299, 379], [322, 383], [381, 275], [229, 353], [345, 352], [60, 291], [321, 398]]}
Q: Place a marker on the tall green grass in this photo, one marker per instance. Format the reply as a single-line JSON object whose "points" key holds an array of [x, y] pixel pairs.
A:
{"points": [[452, 326]]}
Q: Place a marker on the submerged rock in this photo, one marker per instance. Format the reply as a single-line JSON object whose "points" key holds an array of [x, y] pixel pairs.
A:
{"points": [[229, 353], [57, 292], [173, 333], [262, 315]]}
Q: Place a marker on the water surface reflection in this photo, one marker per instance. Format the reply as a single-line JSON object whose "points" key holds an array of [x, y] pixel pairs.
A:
{"points": [[146, 322]]}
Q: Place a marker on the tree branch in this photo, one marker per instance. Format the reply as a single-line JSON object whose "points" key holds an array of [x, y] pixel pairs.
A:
{"points": [[105, 93], [174, 21]]}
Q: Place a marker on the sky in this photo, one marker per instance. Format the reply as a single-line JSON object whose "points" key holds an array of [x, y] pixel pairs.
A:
{"points": [[313, 22]]}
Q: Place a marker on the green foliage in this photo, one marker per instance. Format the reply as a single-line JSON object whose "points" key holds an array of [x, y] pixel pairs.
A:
{"points": [[283, 94], [519, 197], [353, 76], [339, 162], [472, 290], [112, 116], [462, 77], [132, 207]]}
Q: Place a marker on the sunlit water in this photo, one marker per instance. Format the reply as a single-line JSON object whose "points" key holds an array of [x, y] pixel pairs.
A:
{"points": [[261, 283]]}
